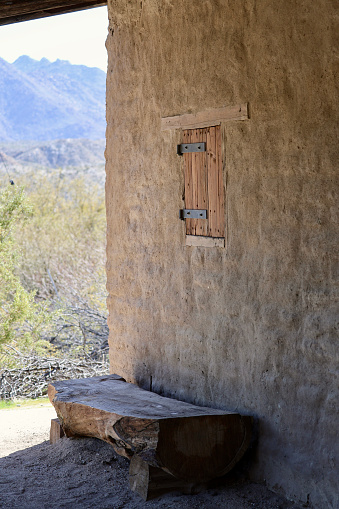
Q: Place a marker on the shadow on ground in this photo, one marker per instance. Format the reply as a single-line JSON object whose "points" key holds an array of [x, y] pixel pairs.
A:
{"points": [[86, 473]]}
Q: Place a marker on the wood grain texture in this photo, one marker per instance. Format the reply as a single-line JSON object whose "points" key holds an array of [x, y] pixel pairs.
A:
{"points": [[150, 482], [191, 443], [23, 10], [206, 118], [189, 202], [199, 241], [197, 162], [204, 182], [212, 179], [56, 431], [196, 195], [216, 221], [220, 186], [201, 184]]}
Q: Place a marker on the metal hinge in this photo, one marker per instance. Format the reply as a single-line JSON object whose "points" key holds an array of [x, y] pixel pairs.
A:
{"points": [[185, 148], [192, 214]]}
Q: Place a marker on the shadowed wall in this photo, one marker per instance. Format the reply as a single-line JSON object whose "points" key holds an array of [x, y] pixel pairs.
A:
{"points": [[252, 327]]}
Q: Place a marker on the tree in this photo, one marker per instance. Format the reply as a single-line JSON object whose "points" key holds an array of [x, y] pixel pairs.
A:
{"points": [[22, 320]]}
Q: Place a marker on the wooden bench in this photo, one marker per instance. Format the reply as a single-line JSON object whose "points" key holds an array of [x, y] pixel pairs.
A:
{"points": [[171, 444]]}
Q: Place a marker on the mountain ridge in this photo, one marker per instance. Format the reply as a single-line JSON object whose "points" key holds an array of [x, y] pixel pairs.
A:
{"points": [[54, 153], [43, 100], [70, 159]]}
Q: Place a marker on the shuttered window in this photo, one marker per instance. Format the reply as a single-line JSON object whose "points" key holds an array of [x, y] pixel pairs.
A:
{"points": [[204, 188]]}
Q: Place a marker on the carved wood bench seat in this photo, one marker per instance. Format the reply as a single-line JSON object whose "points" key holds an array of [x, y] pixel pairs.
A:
{"points": [[171, 444]]}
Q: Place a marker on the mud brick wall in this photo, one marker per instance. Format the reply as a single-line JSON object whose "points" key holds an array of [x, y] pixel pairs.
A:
{"points": [[251, 327]]}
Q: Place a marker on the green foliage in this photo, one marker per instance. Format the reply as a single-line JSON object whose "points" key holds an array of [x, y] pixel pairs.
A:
{"points": [[13, 209], [52, 268], [63, 247], [22, 320]]}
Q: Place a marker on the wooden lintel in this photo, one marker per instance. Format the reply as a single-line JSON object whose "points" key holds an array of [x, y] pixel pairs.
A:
{"points": [[25, 10], [206, 118], [200, 241]]}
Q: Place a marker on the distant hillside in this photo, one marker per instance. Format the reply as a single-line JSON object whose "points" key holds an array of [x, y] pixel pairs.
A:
{"points": [[41, 100], [72, 157], [54, 154]]}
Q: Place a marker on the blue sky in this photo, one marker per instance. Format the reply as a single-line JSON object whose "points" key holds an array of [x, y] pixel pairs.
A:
{"points": [[78, 37]]}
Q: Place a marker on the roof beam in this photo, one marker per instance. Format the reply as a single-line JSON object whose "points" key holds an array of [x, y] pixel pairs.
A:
{"points": [[15, 11]]}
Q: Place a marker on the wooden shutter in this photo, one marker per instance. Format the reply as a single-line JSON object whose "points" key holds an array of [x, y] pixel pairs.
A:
{"points": [[204, 182]]}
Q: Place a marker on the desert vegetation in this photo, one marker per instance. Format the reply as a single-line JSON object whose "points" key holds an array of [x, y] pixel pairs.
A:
{"points": [[52, 273], [52, 224]]}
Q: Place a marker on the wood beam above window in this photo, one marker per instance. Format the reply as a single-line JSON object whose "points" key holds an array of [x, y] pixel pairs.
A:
{"points": [[206, 118], [14, 11]]}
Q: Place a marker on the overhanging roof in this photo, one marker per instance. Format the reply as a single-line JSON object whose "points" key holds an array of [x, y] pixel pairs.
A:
{"points": [[13, 11]]}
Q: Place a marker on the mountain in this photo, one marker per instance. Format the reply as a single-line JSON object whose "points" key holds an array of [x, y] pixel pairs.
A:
{"points": [[70, 158], [43, 100], [53, 154]]}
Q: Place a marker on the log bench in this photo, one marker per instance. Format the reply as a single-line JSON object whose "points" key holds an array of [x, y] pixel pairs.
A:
{"points": [[170, 444]]}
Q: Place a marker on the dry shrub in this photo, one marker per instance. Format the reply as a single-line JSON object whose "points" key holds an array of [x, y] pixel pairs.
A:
{"points": [[63, 246], [62, 262]]}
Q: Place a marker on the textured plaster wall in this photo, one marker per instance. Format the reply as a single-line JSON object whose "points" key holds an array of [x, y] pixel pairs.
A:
{"points": [[253, 327]]}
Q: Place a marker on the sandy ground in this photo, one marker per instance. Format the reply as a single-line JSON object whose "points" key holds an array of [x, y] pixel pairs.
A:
{"points": [[87, 473], [21, 428]]}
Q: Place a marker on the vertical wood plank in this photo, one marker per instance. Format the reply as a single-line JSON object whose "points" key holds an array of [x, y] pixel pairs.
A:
{"points": [[195, 170], [212, 181], [196, 182], [199, 182], [215, 183], [202, 201], [188, 180], [204, 182], [220, 202], [56, 431]]}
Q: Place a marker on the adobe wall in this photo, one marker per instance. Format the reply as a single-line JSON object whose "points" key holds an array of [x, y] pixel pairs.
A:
{"points": [[252, 327]]}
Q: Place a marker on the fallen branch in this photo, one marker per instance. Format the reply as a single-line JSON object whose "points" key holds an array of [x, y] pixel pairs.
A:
{"points": [[31, 380]]}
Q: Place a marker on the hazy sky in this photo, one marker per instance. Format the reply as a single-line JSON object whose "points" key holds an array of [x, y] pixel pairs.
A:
{"points": [[78, 37]]}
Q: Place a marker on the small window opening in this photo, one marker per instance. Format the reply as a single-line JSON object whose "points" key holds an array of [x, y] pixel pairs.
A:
{"points": [[204, 188]]}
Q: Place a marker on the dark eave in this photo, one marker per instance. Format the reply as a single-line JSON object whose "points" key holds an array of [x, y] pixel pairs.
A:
{"points": [[14, 11]]}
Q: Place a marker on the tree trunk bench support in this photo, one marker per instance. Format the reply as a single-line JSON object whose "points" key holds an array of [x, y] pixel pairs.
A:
{"points": [[171, 444], [56, 431]]}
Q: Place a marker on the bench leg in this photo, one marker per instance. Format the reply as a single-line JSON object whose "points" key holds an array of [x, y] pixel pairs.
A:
{"points": [[150, 482], [56, 431]]}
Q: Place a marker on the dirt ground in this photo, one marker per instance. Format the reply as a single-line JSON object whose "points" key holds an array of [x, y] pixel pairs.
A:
{"points": [[87, 473]]}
